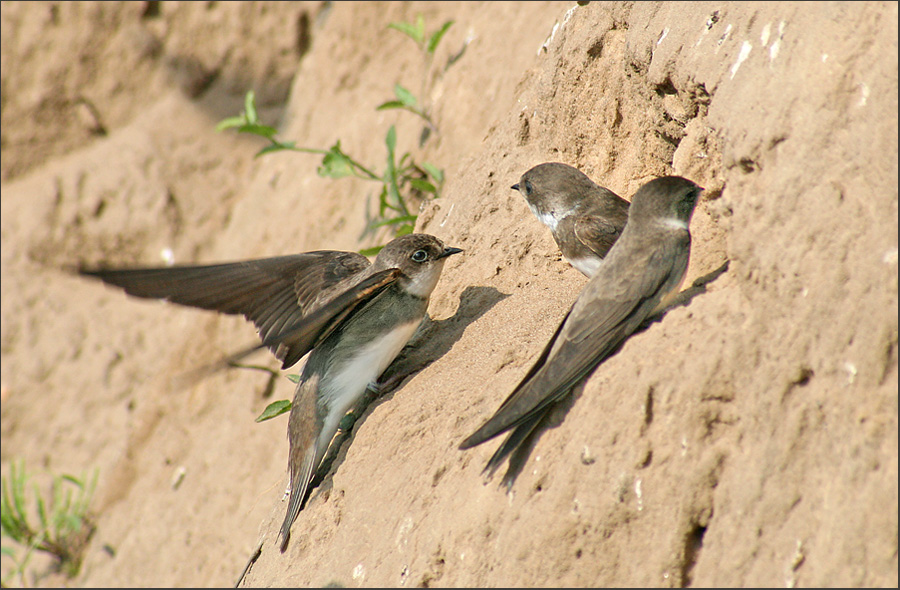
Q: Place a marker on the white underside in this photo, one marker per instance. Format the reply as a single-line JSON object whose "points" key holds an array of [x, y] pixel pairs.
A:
{"points": [[587, 266], [349, 381]]}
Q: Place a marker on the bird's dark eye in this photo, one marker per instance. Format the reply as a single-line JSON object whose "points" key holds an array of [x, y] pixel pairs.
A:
{"points": [[419, 256], [528, 188]]}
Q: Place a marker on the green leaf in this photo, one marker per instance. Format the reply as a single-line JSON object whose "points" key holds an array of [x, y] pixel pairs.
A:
{"points": [[404, 230], [423, 185], [373, 251], [56, 504], [73, 479], [294, 378], [257, 129], [8, 525], [382, 200], [70, 524], [18, 492], [9, 517], [335, 164], [274, 409], [434, 172], [42, 513], [395, 220], [437, 36], [390, 177], [250, 107], [89, 493], [391, 141], [276, 147], [391, 104], [405, 96], [416, 33], [231, 122]]}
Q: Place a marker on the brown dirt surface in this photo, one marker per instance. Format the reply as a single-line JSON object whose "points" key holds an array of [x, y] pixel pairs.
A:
{"points": [[749, 438]]}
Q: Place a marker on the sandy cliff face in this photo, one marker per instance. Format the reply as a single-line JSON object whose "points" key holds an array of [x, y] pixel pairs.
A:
{"points": [[748, 438]]}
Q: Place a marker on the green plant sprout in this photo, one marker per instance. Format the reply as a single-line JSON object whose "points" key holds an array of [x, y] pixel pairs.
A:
{"points": [[405, 99], [63, 528], [274, 409], [335, 163], [416, 32], [402, 181], [279, 407]]}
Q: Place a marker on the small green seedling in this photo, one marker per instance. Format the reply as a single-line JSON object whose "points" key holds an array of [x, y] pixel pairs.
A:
{"points": [[402, 181], [427, 44], [62, 529]]}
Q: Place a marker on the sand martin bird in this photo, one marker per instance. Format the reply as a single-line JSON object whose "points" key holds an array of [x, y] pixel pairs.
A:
{"points": [[641, 274], [353, 318], [585, 218]]}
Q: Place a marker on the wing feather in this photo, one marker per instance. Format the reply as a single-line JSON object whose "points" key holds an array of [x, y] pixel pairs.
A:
{"points": [[276, 294]]}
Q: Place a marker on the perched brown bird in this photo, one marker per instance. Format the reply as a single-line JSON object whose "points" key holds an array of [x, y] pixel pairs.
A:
{"points": [[585, 218], [640, 275]]}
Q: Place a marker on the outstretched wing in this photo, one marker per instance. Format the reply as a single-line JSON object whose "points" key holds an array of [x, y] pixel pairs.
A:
{"points": [[273, 293], [294, 341]]}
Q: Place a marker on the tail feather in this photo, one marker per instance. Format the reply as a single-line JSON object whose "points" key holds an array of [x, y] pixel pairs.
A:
{"points": [[511, 443], [299, 486]]}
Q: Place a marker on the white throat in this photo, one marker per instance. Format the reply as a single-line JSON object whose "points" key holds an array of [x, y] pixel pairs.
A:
{"points": [[673, 222], [549, 219], [424, 282]]}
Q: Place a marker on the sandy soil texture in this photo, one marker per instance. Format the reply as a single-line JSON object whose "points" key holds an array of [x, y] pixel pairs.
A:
{"points": [[749, 438]]}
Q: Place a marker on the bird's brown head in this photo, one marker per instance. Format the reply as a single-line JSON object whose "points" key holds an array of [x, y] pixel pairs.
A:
{"points": [[420, 258], [670, 199]]}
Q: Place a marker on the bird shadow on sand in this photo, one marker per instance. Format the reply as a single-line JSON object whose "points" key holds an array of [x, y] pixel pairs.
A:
{"points": [[556, 413]]}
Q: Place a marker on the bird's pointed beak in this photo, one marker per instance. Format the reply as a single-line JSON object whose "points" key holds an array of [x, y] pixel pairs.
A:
{"points": [[448, 252], [515, 187]]}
